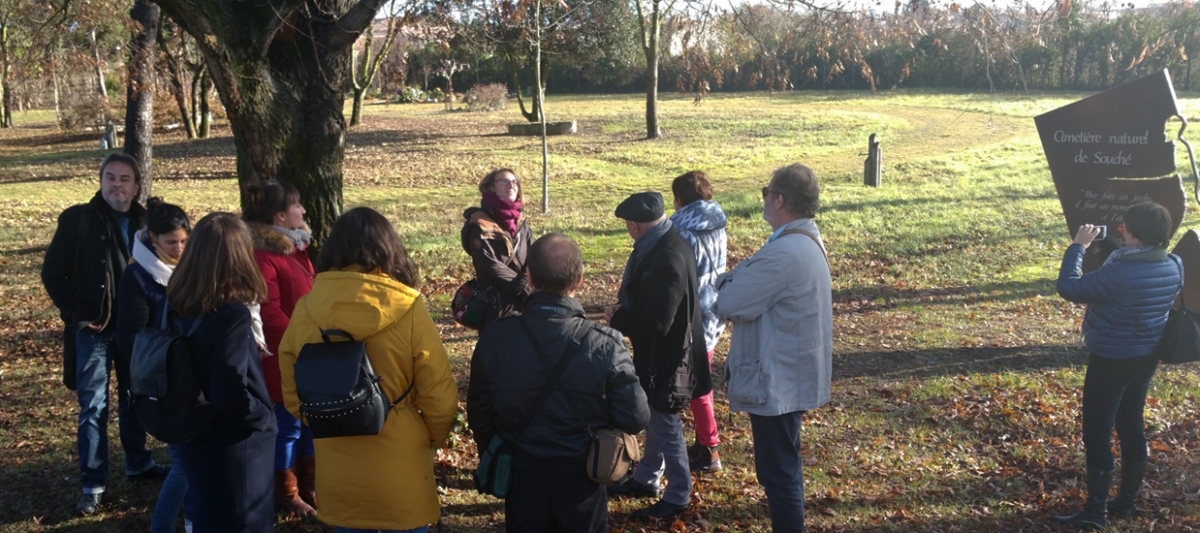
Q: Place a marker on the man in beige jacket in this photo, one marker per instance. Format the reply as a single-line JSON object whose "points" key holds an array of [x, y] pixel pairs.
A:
{"points": [[779, 365]]}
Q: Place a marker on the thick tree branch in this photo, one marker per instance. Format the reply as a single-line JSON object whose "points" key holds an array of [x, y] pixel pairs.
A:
{"points": [[348, 28]]}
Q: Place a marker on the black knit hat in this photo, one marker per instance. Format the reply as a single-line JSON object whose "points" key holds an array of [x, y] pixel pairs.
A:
{"points": [[641, 207]]}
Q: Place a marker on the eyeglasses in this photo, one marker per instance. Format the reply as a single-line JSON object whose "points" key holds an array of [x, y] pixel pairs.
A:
{"points": [[768, 191], [507, 183]]}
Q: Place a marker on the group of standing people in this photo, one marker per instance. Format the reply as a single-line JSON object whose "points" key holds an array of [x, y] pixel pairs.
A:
{"points": [[233, 283], [246, 289], [674, 300], [248, 297]]}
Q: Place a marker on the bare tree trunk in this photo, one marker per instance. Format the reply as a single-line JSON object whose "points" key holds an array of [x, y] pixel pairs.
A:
{"points": [[356, 108], [197, 77], [651, 28], [206, 87], [533, 114], [175, 82], [5, 73], [652, 129], [139, 95], [99, 64], [541, 110], [57, 96]]}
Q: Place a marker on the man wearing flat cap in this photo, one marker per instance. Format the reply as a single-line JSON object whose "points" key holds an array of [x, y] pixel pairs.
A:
{"points": [[659, 310]]}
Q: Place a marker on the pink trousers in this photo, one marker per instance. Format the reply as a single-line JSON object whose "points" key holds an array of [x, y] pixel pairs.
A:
{"points": [[702, 412]]}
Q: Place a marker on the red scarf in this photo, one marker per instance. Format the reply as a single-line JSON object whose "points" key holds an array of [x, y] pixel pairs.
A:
{"points": [[505, 213]]}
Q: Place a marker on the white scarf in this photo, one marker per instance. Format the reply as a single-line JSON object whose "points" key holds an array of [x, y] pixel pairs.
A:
{"points": [[145, 256], [300, 237]]}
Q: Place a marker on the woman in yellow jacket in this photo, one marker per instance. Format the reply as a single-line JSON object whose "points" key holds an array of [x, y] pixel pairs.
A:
{"points": [[364, 287]]}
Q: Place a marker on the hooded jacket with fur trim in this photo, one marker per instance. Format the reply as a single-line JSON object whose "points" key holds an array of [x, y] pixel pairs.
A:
{"points": [[289, 275]]}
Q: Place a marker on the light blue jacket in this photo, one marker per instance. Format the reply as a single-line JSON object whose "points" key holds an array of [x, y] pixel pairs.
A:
{"points": [[781, 304], [702, 223]]}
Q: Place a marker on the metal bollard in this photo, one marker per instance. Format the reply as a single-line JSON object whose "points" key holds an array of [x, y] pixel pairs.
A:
{"points": [[873, 166]]}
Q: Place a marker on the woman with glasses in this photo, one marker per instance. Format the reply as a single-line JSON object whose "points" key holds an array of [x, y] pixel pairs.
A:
{"points": [[497, 237]]}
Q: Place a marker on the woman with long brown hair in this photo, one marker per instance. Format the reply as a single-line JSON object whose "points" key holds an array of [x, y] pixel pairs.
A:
{"points": [[365, 287], [229, 485]]}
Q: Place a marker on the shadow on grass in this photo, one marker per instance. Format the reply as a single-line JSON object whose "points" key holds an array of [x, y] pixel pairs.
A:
{"points": [[922, 364], [213, 146], [852, 298], [37, 179], [50, 139], [750, 205], [46, 490]]}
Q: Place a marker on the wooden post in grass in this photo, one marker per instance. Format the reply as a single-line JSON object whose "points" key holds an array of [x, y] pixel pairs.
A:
{"points": [[873, 166]]}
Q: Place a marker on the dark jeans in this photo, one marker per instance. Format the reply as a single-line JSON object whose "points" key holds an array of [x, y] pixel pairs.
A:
{"points": [[554, 496], [93, 367], [777, 462], [1114, 394]]}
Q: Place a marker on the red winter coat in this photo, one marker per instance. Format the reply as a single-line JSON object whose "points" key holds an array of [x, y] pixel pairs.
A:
{"points": [[289, 275]]}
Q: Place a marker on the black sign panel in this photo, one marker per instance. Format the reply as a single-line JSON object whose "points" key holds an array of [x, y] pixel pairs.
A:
{"points": [[1102, 149]]}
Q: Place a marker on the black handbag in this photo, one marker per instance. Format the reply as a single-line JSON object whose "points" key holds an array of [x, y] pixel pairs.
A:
{"points": [[339, 391], [1181, 339], [495, 461]]}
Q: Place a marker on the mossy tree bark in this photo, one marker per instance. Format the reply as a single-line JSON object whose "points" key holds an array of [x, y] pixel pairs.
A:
{"points": [[139, 92], [279, 69]]}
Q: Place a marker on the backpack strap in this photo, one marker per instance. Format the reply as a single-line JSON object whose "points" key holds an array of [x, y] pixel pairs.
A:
{"points": [[166, 310], [553, 378], [1179, 265], [811, 236]]}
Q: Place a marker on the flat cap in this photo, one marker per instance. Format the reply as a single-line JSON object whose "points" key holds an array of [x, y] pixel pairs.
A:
{"points": [[641, 207]]}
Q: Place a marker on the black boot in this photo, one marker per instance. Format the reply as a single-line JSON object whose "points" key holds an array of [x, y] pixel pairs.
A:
{"points": [[1094, 513], [1125, 504]]}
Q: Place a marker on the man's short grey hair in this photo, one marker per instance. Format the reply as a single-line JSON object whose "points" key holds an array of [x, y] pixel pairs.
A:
{"points": [[798, 186]]}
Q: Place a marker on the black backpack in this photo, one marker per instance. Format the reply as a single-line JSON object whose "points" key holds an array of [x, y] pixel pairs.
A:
{"points": [[164, 389], [338, 390]]}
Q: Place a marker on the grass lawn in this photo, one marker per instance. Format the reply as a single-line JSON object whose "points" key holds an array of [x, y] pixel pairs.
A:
{"points": [[956, 382]]}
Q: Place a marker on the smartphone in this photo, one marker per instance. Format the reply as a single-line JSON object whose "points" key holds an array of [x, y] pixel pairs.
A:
{"points": [[1103, 233]]}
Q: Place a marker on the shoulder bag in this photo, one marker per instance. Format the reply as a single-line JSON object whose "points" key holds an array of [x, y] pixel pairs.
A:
{"points": [[1181, 339]]}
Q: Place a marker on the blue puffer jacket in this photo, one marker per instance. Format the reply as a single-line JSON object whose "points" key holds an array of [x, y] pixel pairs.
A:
{"points": [[702, 223], [1128, 299]]}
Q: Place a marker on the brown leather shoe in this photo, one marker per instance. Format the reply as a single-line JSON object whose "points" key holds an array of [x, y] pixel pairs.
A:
{"points": [[306, 475], [287, 495]]}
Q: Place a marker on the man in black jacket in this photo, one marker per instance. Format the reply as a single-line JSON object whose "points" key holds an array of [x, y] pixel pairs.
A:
{"points": [[83, 264], [659, 311], [549, 489]]}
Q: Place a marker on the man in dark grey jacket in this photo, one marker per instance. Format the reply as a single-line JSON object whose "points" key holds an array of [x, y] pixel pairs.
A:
{"points": [[659, 310], [549, 489], [84, 261]]}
